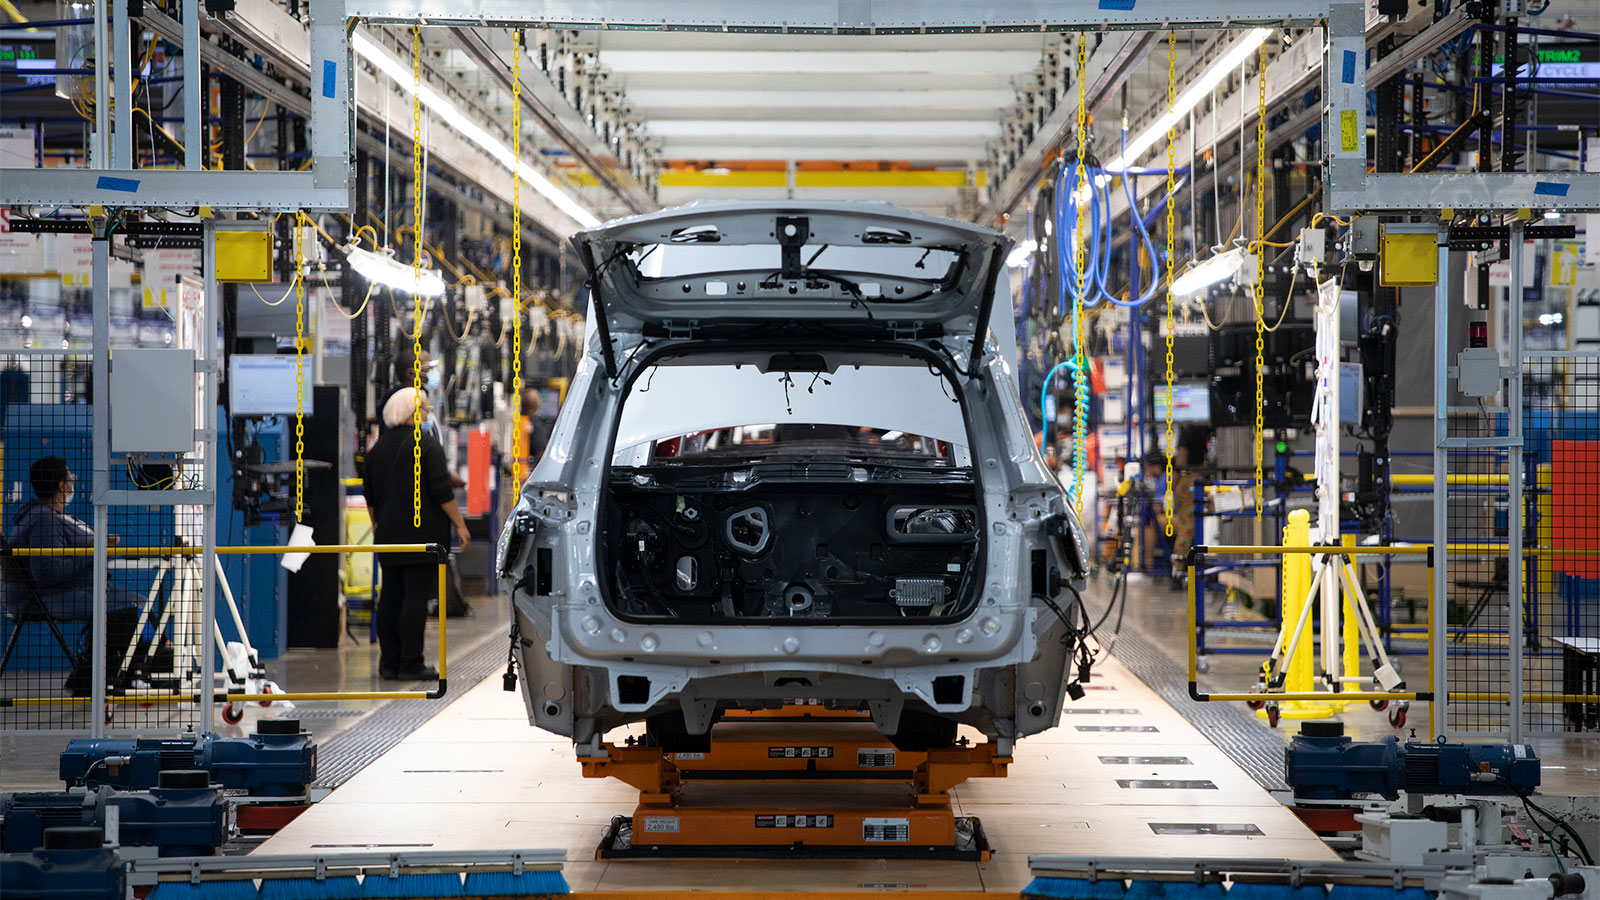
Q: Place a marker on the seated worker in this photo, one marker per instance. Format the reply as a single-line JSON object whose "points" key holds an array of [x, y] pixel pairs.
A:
{"points": [[66, 583], [409, 580]]}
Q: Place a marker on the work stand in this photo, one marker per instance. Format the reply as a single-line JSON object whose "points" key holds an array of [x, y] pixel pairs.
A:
{"points": [[784, 785]]}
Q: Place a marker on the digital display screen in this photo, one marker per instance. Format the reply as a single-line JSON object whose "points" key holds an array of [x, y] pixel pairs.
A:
{"points": [[264, 384], [1191, 402]]}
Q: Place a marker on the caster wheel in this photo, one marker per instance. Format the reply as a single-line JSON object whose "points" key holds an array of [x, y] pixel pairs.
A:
{"points": [[1397, 718], [1272, 715], [1379, 705], [1202, 666], [1255, 704], [232, 714]]}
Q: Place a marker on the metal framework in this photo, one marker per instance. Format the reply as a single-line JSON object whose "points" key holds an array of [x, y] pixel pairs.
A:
{"points": [[328, 183]]}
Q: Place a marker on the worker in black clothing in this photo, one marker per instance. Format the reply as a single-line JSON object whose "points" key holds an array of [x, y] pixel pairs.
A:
{"points": [[409, 580]]}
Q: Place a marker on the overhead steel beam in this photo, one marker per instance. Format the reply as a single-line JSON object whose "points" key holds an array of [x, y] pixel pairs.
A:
{"points": [[1290, 75], [545, 104], [847, 16], [326, 186], [466, 165], [1113, 60]]}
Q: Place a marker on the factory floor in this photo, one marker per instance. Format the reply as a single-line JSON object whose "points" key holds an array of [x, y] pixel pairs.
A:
{"points": [[1037, 805]]}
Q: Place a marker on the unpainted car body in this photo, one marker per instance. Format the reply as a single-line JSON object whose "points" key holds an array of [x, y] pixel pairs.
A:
{"points": [[793, 466]]}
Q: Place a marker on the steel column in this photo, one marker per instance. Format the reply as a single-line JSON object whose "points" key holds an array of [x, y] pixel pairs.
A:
{"points": [[207, 361], [122, 87], [1438, 648], [100, 441], [1515, 569], [100, 156], [194, 142]]}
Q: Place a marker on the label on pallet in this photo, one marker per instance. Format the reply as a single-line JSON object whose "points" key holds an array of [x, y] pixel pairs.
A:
{"points": [[799, 753], [874, 757], [661, 824], [794, 821], [886, 831]]}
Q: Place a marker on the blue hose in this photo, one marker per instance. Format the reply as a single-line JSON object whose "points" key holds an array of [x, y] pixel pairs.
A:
{"points": [[1097, 256]]}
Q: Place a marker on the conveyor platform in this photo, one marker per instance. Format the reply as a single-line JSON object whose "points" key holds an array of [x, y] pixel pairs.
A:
{"points": [[1125, 773]]}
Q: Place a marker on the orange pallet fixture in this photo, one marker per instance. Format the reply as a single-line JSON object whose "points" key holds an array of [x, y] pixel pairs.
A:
{"points": [[789, 783]]}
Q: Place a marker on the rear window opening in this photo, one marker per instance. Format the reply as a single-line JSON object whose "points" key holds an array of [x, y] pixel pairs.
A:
{"points": [[704, 257], [844, 493]]}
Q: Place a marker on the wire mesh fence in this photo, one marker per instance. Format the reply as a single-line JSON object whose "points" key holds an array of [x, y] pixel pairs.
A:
{"points": [[1561, 471], [1477, 601], [153, 603]]}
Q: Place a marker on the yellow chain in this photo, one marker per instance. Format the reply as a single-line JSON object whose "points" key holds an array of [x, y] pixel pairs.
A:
{"points": [[516, 263], [1167, 505], [416, 271], [1080, 378], [299, 369], [1261, 247]]}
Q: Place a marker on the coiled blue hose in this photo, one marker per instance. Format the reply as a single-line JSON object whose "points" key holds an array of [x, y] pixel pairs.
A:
{"points": [[1097, 244]]}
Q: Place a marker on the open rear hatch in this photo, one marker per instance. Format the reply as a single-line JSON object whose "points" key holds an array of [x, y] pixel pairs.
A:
{"points": [[725, 271]]}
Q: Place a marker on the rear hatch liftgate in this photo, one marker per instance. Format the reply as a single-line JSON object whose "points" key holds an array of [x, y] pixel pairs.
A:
{"points": [[734, 271]]}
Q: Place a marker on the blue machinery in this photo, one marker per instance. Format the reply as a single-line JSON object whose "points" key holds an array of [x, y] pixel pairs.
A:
{"points": [[183, 815], [278, 760], [1322, 764]]}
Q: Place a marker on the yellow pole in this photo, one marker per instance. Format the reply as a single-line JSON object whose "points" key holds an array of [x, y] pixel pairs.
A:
{"points": [[1352, 627], [1296, 583], [1298, 677]]}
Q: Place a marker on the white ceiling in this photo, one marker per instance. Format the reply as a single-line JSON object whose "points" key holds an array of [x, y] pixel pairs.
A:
{"points": [[721, 99]]}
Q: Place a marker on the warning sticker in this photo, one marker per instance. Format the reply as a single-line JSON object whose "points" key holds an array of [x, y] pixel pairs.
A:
{"points": [[874, 757], [799, 753], [886, 831], [1349, 137], [661, 824], [802, 820]]}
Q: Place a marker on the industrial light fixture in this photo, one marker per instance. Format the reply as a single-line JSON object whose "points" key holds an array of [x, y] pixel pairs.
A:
{"points": [[392, 273], [1214, 269], [1189, 99], [460, 122], [1021, 253]]}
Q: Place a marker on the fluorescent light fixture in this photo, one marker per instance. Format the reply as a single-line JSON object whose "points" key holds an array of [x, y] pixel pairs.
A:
{"points": [[1021, 253], [1219, 267], [1198, 90], [1551, 215], [390, 272], [746, 129], [456, 119]]}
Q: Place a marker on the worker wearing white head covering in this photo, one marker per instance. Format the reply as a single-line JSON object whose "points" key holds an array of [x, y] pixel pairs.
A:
{"points": [[401, 405], [410, 580]]}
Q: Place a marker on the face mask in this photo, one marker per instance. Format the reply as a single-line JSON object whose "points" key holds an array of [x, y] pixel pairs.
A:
{"points": [[427, 425], [433, 379], [68, 500]]}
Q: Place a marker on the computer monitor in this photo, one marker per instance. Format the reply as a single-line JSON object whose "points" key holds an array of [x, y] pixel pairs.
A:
{"points": [[264, 384], [1352, 399], [1191, 402]]}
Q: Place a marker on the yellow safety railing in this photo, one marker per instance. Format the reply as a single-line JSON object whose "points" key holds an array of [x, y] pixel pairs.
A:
{"points": [[1425, 480], [1195, 562], [438, 550]]}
